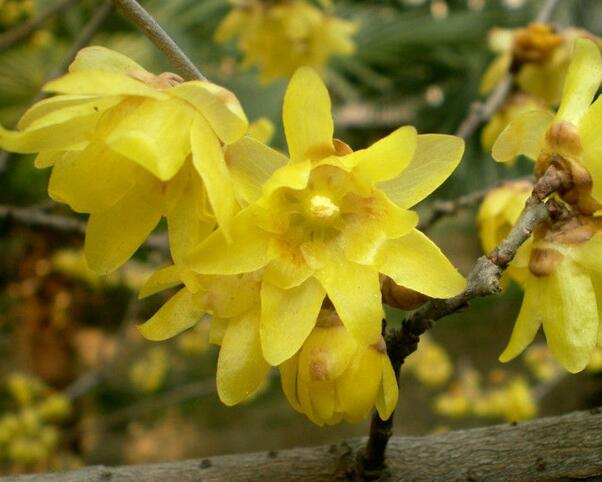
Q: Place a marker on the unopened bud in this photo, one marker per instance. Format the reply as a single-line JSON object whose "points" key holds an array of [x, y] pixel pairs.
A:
{"points": [[401, 297], [543, 262]]}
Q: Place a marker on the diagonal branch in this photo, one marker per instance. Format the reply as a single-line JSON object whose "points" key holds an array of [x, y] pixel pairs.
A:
{"points": [[151, 28]]}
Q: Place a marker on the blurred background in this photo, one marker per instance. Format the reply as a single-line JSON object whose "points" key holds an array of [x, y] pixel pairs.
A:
{"points": [[80, 386]]}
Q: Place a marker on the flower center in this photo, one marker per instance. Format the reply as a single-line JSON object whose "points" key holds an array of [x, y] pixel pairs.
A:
{"points": [[321, 208]]}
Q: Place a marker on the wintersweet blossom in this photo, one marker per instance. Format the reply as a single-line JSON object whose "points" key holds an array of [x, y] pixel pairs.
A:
{"points": [[281, 36], [333, 378], [571, 139], [128, 147], [538, 57], [328, 220]]}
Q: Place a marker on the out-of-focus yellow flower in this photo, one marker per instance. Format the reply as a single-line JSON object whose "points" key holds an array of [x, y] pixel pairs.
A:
{"points": [[262, 130], [595, 362], [430, 363], [537, 56], [516, 105], [570, 139], [281, 36], [233, 303], [128, 147], [15, 11], [329, 220], [148, 373], [459, 398], [541, 363], [513, 402], [333, 378]]}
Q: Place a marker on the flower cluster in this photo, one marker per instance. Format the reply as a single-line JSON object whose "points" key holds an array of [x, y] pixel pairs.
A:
{"points": [[289, 257], [282, 35], [559, 267]]}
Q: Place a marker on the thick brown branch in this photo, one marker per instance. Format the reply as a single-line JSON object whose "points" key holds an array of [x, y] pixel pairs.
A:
{"points": [[25, 29], [151, 28], [552, 449]]}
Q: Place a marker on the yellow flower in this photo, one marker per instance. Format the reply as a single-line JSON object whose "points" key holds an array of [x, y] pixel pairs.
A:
{"points": [[572, 138], [430, 364], [262, 130], [281, 36], [513, 402], [515, 106], [233, 303], [561, 274], [329, 220], [333, 378], [127, 147], [538, 56]]}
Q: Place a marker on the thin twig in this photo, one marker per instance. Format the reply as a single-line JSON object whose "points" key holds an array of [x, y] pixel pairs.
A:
{"points": [[36, 218], [80, 42], [483, 280], [546, 11], [151, 28], [25, 29], [443, 209]]}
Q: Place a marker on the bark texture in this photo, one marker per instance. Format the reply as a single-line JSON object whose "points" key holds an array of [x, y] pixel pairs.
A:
{"points": [[564, 448]]}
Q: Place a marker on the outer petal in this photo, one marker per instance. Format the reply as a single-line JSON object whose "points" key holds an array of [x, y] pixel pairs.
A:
{"points": [[529, 319], [288, 379], [355, 293], [160, 280], [156, 135], [174, 317], [287, 318], [58, 137], [388, 394], [103, 59], [219, 106], [415, 262], [386, 158], [590, 132], [92, 181], [360, 384], [307, 117], [247, 252], [582, 81], [114, 235], [571, 321], [588, 254], [251, 164], [524, 135], [495, 72], [435, 158], [208, 159], [101, 83], [240, 367]]}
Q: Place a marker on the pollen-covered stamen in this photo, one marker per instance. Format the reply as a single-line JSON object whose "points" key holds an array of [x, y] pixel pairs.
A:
{"points": [[322, 208]]}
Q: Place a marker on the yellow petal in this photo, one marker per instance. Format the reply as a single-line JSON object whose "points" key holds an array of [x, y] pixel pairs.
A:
{"points": [[359, 385], [287, 318], [287, 269], [262, 130], [523, 136], [49, 158], [63, 108], [93, 180], [571, 320], [355, 293], [415, 262], [101, 83], [208, 159], [160, 280], [174, 317], [57, 137], [217, 330], [247, 252], [305, 402], [529, 319], [495, 72], [388, 394], [364, 235], [292, 175], [323, 399], [288, 379], [251, 164], [156, 135], [307, 118], [112, 236], [231, 296], [240, 367], [582, 81], [103, 59], [218, 105], [387, 158], [434, 160], [590, 132]]}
